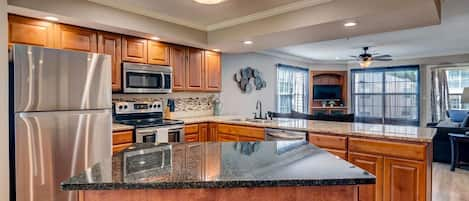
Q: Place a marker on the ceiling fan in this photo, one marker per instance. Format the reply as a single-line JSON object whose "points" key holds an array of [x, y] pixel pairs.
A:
{"points": [[367, 58]]}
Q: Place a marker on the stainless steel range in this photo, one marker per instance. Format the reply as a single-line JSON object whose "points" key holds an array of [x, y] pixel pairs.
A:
{"points": [[148, 120]]}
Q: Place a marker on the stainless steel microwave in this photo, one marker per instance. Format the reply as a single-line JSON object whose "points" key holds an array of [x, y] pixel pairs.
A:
{"points": [[146, 78]]}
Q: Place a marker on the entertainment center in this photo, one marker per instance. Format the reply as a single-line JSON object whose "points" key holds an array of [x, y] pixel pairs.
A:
{"points": [[328, 93]]}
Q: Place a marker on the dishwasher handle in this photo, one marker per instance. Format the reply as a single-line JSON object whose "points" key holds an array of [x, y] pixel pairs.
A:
{"points": [[288, 137]]}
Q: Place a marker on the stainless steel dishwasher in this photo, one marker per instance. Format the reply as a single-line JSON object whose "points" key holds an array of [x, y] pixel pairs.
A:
{"points": [[272, 134]]}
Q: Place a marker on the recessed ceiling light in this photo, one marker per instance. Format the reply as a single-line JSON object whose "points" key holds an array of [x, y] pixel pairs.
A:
{"points": [[350, 24], [337, 58], [248, 42], [216, 50], [50, 18], [209, 2], [155, 38]]}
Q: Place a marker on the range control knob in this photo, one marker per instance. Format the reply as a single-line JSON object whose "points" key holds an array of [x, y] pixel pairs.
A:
{"points": [[120, 107], [159, 106], [125, 106], [150, 106]]}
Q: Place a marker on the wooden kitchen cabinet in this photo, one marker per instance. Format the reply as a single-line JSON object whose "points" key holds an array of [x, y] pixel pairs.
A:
{"points": [[121, 140], [212, 132], [195, 70], [212, 71], [196, 132], [404, 180], [134, 49], [178, 63], [111, 44], [235, 133], [221, 137], [29, 31], [375, 165], [158, 53], [336, 145], [75, 38], [203, 132]]}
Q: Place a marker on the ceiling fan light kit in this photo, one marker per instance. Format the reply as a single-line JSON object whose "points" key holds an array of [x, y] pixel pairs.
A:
{"points": [[366, 59]]}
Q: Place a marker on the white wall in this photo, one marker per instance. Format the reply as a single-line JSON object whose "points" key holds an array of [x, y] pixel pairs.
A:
{"points": [[236, 102], [4, 173], [425, 81]]}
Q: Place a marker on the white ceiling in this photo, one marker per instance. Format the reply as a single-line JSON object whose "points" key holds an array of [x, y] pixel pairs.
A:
{"points": [[209, 17], [449, 38]]}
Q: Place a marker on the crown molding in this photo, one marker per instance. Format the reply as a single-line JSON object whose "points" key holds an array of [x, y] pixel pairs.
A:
{"points": [[224, 24], [301, 59]]}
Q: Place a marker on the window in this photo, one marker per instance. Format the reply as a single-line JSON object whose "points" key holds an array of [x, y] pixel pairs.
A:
{"points": [[458, 79], [386, 95], [292, 89]]}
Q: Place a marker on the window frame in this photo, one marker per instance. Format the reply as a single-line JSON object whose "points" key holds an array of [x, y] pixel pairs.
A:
{"points": [[456, 94], [384, 94], [306, 88]]}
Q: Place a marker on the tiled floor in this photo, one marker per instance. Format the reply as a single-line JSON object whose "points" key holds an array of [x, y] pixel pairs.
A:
{"points": [[450, 186]]}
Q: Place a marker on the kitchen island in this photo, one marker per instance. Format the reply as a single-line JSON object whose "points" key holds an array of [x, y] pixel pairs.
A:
{"points": [[215, 171]]}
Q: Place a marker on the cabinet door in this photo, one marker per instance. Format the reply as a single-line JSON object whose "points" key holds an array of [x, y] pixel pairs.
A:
{"points": [[191, 138], [158, 53], [404, 180], [226, 138], [203, 132], [340, 153], [110, 44], [75, 38], [29, 31], [212, 71], [178, 63], [195, 70], [212, 136], [134, 49], [374, 165]]}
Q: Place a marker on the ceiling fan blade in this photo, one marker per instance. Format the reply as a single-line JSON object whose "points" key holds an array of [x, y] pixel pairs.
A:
{"points": [[382, 59], [382, 56]]}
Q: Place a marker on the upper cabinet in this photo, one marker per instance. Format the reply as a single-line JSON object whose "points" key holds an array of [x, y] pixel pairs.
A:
{"points": [[195, 70], [30, 31], [75, 38], [212, 71], [109, 43], [158, 53], [178, 63], [134, 49]]}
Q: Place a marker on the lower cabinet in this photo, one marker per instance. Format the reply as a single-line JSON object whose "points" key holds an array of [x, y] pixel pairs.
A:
{"points": [[196, 132], [336, 145], [374, 165], [121, 140], [215, 132], [404, 180]]}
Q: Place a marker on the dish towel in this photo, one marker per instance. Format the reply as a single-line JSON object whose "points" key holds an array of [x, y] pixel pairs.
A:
{"points": [[162, 135]]}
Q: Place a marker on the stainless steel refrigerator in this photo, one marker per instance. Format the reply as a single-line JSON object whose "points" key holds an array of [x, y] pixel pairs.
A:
{"points": [[60, 119]]}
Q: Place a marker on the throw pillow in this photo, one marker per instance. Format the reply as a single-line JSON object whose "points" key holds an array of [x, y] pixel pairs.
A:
{"points": [[457, 115]]}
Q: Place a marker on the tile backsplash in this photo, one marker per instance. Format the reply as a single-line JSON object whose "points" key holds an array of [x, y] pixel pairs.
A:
{"points": [[187, 104]]}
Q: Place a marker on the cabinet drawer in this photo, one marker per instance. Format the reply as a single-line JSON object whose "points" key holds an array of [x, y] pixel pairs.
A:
{"points": [[226, 138], [191, 128], [122, 137], [241, 131], [388, 148], [120, 147], [249, 139], [191, 138], [340, 153], [328, 141]]}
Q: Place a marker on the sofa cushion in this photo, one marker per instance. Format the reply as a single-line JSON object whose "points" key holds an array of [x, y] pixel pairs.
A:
{"points": [[457, 115]]}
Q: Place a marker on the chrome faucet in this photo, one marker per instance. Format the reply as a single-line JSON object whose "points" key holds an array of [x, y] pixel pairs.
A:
{"points": [[259, 109]]}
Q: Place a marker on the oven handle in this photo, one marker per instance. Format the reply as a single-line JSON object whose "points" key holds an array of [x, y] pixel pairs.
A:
{"points": [[162, 80]]}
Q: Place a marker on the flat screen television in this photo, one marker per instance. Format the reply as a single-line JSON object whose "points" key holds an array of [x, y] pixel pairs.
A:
{"points": [[327, 92]]}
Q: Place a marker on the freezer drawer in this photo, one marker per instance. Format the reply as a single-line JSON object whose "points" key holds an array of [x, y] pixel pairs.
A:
{"points": [[52, 80], [53, 146]]}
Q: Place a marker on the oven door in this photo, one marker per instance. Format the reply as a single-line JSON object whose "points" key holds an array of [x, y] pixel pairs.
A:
{"points": [[145, 135], [141, 78]]}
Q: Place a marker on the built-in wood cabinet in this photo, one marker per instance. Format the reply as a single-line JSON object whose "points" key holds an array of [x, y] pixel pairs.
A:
{"points": [[28, 31], [212, 132], [212, 71], [405, 180], [158, 53], [111, 44], [178, 63], [196, 132], [134, 49], [336, 145], [375, 165], [230, 133], [75, 38], [121, 140], [195, 70]]}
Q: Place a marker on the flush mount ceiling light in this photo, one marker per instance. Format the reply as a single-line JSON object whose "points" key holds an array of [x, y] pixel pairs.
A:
{"points": [[366, 63], [350, 24], [248, 42], [209, 2], [50, 18]]}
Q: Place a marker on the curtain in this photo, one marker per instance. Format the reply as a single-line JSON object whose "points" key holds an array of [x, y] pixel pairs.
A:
{"points": [[292, 89], [439, 95]]}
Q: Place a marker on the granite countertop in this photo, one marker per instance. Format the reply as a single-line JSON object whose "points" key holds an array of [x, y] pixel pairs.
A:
{"points": [[121, 127], [219, 165], [380, 131]]}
